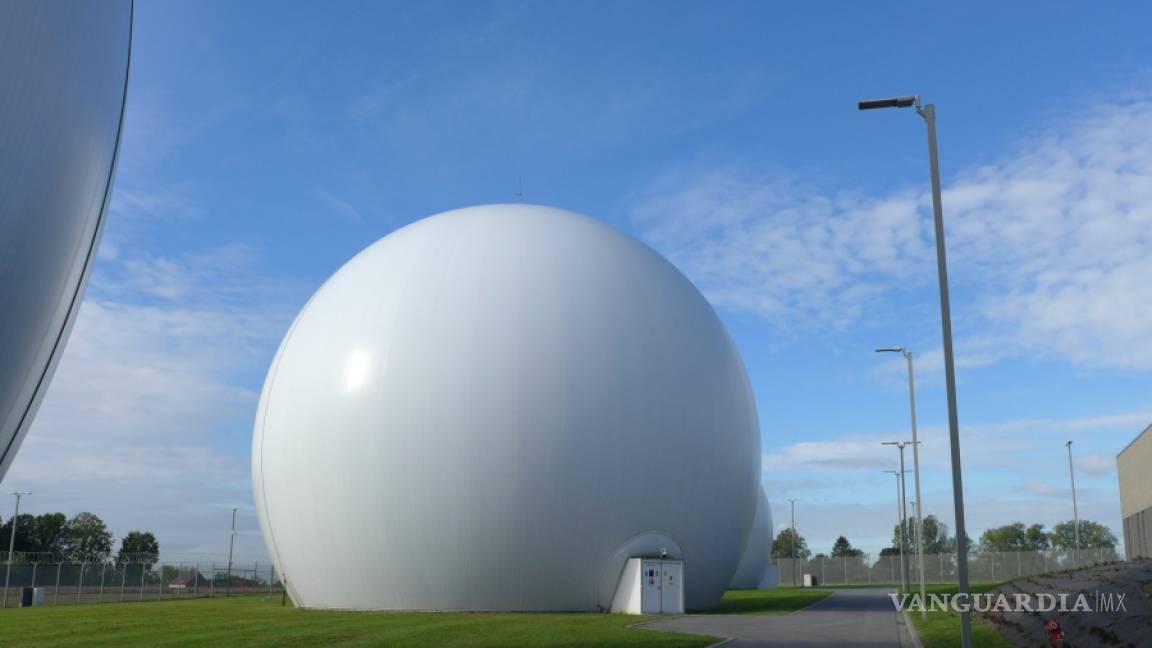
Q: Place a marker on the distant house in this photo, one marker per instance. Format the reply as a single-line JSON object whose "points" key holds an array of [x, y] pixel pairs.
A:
{"points": [[189, 583], [239, 582]]}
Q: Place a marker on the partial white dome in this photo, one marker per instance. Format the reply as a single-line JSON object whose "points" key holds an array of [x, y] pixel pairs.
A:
{"points": [[756, 563], [63, 74], [492, 409]]}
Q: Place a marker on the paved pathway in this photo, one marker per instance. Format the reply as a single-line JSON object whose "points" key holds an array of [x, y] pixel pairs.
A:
{"points": [[850, 617]]}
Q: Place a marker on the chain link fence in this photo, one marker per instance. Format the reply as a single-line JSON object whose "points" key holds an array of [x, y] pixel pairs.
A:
{"points": [[28, 580], [938, 568]]}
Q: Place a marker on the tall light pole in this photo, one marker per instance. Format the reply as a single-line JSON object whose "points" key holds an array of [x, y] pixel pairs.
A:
{"points": [[1075, 511], [12, 545], [915, 472], [899, 519], [792, 501], [928, 113], [904, 512], [231, 543]]}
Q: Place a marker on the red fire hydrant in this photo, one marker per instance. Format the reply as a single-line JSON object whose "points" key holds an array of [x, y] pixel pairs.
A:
{"points": [[1055, 632]]}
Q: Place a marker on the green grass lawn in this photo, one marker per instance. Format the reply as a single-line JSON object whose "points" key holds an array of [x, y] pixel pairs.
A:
{"points": [[773, 601], [256, 621], [942, 629]]}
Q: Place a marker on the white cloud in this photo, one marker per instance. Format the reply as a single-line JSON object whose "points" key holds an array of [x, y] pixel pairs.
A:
{"points": [[338, 205], [849, 453], [1042, 488], [148, 418], [1094, 464], [1053, 242]]}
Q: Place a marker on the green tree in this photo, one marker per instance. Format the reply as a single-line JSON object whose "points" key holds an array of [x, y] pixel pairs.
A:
{"points": [[1093, 535], [138, 547], [23, 534], [1036, 538], [782, 545], [39, 536], [844, 549], [935, 535], [48, 530], [1014, 537], [86, 539]]}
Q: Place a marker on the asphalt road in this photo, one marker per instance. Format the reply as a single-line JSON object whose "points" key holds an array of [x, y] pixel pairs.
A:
{"points": [[850, 617]]}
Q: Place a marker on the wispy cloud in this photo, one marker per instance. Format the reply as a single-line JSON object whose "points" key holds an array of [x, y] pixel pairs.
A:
{"points": [[1094, 464], [148, 418], [341, 207], [1053, 242]]}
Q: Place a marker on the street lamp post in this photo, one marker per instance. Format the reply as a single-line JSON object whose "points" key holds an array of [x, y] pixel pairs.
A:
{"points": [[12, 545], [792, 501], [903, 511], [915, 472], [231, 543], [928, 113], [1075, 510], [899, 519]]}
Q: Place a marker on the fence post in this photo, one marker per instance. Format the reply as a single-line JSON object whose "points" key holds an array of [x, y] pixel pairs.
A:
{"points": [[868, 567], [271, 577], [123, 578], [196, 581], [892, 564], [212, 583], [34, 566], [822, 579], [140, 595], [80, 583], [160, 587], [103, 572], [56, 592]]}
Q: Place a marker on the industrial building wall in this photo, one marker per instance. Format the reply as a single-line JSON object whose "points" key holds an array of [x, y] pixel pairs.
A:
{"points": [[1134, 470], [1138, 534]]}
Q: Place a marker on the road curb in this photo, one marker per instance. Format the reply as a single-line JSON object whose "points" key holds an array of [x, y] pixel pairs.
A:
{"points": [[911, 630]]}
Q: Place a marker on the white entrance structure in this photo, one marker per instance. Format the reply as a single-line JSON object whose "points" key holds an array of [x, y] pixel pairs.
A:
{"points": [[650, 586]]}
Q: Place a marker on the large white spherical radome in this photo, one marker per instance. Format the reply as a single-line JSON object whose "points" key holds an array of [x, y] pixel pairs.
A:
{"points": [[64, 79], [492, 409]]}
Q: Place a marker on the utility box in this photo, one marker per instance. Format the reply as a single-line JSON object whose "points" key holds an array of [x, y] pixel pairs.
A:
{"points": [[811, 581], [31, 596], [650, 586]]}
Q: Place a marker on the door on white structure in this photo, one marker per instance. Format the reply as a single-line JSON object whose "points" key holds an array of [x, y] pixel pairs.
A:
{"points": [[671, 587], [650, 587]]}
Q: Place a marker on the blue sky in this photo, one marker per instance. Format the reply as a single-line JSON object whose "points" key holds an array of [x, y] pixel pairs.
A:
{"points": [[265, 144]]}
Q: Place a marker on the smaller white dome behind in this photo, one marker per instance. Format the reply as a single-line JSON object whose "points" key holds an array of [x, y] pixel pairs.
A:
{"points": [[756, 562]]}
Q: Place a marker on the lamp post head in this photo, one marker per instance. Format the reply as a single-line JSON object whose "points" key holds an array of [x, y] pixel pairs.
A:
{"points": [[890, 350], [904, 101]]}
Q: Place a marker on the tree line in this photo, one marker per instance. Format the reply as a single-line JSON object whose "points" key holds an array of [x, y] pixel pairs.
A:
{"points": [[1010, 537], [83, 538]]}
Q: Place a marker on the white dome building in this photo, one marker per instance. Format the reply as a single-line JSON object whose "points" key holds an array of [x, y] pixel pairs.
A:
{"points": [[493, 409], [756, 570]]}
